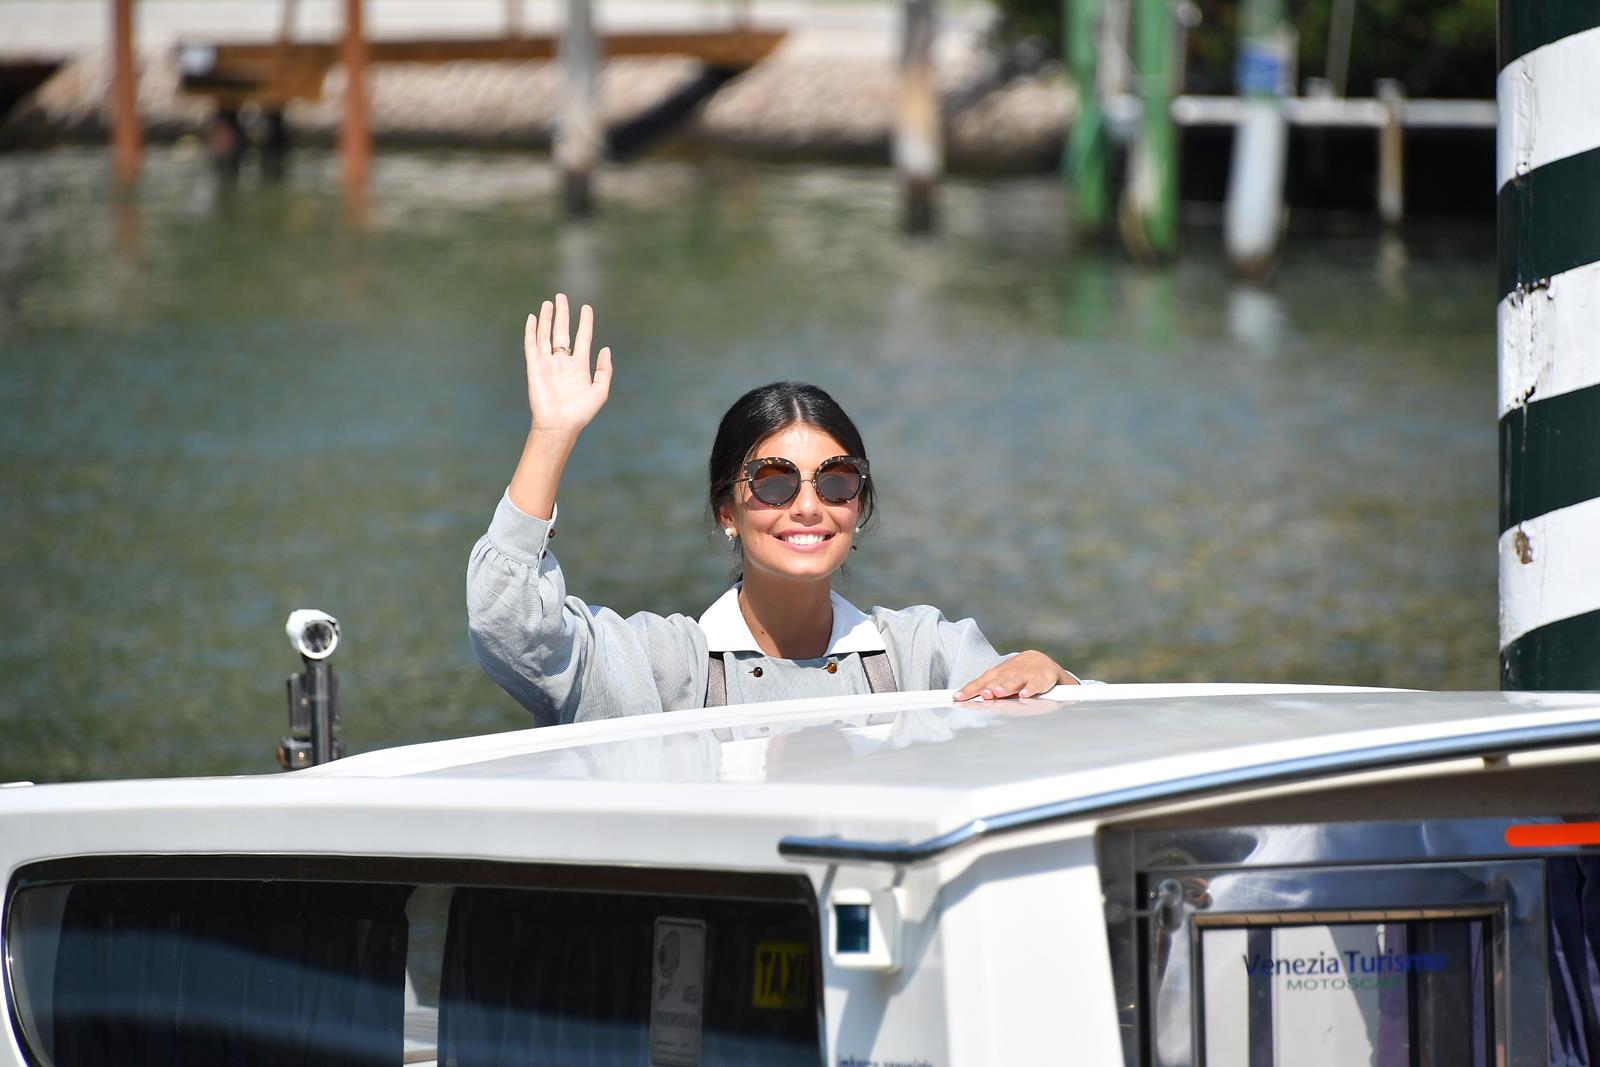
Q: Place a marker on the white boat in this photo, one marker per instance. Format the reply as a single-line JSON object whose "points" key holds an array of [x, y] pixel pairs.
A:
{"points": [[1109, 875]]}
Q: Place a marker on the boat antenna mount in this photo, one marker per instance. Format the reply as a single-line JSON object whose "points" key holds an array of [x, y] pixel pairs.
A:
{"points": [[313, 693]]}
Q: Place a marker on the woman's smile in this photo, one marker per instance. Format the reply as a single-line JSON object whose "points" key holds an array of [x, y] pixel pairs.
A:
{"points": [[804, 540]]}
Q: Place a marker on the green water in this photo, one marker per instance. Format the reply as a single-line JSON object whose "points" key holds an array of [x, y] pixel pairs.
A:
{"points": [[224, 404]]}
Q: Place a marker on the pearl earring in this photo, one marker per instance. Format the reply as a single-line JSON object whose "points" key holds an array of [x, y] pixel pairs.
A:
{"points": [[727, 532]]}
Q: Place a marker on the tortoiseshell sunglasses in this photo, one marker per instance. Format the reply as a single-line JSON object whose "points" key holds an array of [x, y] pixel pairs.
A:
{"points": [[775, 481]]}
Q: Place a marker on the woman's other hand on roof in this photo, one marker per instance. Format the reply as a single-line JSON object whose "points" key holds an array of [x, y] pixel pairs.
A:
{"points": [[1024, 675]]}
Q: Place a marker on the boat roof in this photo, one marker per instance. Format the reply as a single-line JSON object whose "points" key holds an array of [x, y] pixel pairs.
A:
{"points": [[895, 778], [1075, 741]]}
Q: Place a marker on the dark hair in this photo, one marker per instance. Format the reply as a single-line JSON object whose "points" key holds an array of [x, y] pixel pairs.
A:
{"points": [[764, 411]]}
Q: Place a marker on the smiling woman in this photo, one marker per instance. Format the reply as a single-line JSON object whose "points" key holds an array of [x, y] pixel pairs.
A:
{"points": [[790, 487]]}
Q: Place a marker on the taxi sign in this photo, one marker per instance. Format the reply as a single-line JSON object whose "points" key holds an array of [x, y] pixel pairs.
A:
{"points": [[783, 977]]}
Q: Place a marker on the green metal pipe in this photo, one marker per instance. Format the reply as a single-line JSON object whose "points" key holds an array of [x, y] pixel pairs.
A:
{"points": [[1087, 152], [1150, 203]]}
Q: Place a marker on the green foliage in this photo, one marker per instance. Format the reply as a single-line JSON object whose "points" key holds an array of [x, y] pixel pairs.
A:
{"points": [[1435, 47]]}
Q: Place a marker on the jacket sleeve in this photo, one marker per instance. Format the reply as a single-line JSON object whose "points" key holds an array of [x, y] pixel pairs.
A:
{"points": [[558, 657], [929, 651]]}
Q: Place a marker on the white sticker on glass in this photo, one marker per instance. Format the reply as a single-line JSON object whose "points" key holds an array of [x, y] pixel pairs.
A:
{"points": [[677, 992]]}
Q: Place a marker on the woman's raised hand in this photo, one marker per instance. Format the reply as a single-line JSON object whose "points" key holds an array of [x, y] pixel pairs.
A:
{"points": [[563, 394]]}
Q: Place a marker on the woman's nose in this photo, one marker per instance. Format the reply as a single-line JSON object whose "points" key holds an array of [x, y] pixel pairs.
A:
{"points": [[806, 501]]}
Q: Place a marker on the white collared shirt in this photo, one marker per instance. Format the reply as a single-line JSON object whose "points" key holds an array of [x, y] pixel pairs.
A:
{"points": [[727, 631]]}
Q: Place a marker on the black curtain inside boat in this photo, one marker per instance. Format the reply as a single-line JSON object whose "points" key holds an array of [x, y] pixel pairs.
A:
{"points": [[540, 978], [1574, 960], [230, 972]]}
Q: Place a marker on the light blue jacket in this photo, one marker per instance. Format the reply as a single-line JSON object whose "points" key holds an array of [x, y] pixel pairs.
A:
{"points": [[566, 662]]}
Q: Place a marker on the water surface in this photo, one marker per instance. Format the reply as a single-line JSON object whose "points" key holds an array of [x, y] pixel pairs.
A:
{"points": [[222, 404]]}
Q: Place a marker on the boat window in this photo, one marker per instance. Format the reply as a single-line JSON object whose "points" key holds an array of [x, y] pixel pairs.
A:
{"points": [[1430, 943], [1392, 994], [210, 972], [499, 964]]}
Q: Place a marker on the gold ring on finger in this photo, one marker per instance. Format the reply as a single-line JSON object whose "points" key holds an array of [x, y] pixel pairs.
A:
{"points": [[563, 349]]}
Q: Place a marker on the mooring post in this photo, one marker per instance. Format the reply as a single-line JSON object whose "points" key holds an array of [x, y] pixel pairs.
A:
{"points": [[1115, 62], [1341, 23], [1085, 160], [275, 142], [126, 138], [1149, 213], [1253, 222], [1548, 169], [355, 131], [918, 137], [1391, 151], [580, 136]]}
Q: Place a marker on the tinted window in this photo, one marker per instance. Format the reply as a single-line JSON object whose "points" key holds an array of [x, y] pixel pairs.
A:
{"points": [[570, 977], [211, 972], [342, 964]]}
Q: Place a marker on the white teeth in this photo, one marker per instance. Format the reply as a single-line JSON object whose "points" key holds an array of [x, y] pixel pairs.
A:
{"points": [[805, 539]]}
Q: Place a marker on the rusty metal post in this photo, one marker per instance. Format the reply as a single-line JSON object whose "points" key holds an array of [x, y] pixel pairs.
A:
{"points": [[1391, 151], [355, 132], [918, 136], [580, 135], [126, 137]]}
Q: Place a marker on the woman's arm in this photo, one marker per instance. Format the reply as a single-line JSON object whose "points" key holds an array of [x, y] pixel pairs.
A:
{"points": [[560, 658], [563, 398]]}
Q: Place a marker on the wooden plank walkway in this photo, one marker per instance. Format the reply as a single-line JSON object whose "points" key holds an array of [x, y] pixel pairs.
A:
{"points": [[272, 73]]}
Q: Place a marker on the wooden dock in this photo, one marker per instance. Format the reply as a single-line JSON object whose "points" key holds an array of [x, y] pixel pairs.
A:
{"points": [[21, 76], [271, 73]]}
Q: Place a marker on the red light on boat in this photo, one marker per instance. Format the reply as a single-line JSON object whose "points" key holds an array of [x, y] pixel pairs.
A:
{"points": [[1553, 835]]}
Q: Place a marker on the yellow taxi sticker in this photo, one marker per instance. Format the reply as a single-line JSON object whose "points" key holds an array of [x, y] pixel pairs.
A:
{"points": [[783, 975]]}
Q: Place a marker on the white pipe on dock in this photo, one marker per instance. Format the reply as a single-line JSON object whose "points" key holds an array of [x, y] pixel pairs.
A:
{"points": [[1254, 214], [1254, 218], [1391, 152]]}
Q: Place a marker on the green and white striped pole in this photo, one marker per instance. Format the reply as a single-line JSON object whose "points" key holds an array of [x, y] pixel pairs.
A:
{"points": [[1549, 330]]}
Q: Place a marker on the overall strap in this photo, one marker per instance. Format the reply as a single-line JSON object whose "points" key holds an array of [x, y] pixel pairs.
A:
{"points": [[880, 675], [716, 683]]}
